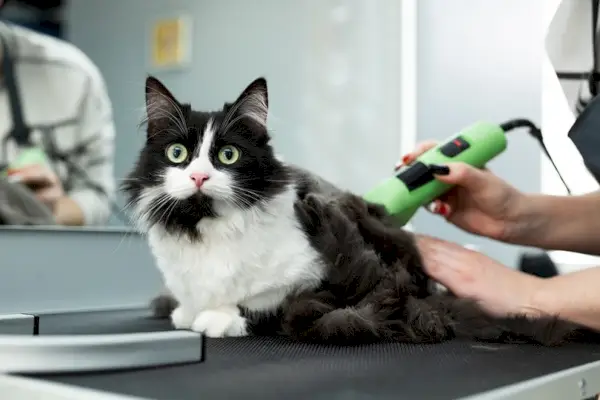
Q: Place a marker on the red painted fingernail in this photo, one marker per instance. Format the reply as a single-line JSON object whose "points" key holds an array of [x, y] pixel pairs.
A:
{"points": [[444, 210], [406, 159]]}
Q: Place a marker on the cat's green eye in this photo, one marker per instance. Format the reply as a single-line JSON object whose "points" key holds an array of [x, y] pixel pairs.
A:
{"points": [[177, 153], [229, 155]]}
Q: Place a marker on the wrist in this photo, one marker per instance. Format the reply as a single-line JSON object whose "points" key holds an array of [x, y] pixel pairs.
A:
{"points": [[569, 223], [541, 300], [527, 220]]}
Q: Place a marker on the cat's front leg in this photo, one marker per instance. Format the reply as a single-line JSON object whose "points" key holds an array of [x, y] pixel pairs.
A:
{"points": [[181, 312], [183, 317], [225, 321]]}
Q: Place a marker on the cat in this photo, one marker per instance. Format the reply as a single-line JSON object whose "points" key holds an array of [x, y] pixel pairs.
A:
{"points": [[216, 204], [248, 244]]}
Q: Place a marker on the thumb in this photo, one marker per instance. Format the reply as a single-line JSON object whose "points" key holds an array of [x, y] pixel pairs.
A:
{"points": [[462, 174]]}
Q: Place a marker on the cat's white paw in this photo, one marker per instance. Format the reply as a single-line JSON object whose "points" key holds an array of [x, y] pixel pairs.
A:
{"points": [[182, 318], [220, 323]]}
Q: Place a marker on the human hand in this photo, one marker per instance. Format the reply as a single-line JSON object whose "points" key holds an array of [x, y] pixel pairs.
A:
{"points": [[42, 181], [480, 202], [500, 290]]}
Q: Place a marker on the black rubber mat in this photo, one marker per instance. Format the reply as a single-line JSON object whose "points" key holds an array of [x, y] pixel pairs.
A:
{"points": [[274, 368]]}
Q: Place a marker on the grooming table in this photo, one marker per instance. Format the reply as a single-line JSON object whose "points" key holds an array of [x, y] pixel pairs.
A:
{"points": [[108, 352]]}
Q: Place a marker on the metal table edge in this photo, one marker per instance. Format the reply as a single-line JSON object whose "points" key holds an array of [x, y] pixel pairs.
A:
{"points": [[15, 323], [18, 387], [580, 382], [76, 353]]}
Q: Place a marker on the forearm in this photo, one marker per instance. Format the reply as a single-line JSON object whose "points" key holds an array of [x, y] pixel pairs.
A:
{"points": [[574, 297], [67, 212], [570, 223], [93, 207]]}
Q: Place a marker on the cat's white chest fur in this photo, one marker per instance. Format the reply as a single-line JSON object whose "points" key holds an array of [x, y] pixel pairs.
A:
{"points": [[252, 258]]}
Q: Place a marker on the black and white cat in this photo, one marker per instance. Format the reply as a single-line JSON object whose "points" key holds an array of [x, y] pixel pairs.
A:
{"points": [[218, 208], [248, 244]]}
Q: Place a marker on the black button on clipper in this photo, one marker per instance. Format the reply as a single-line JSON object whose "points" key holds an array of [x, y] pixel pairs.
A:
{"points": [[454, 147], [416, 176]]}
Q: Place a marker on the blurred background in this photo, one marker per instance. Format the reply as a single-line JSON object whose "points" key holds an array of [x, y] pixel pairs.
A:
{"points": [[353, 83]]}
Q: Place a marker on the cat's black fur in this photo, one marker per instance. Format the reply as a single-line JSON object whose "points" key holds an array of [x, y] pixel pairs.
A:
{"points": [[375, 288]]}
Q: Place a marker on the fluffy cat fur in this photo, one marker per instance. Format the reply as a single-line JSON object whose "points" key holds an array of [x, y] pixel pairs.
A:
{"points": [[263, 247]]}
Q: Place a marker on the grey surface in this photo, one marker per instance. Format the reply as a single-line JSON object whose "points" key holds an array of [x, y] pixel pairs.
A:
{"points": [[19, 388], [275, 368], [87, 353], [16, 324], [563, 385], [581, 382], [481, 60], [49, 270], [317, 121]]}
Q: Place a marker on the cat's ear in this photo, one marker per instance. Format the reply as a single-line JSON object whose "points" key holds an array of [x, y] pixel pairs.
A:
{"points": [[253, 102], [161, 105]]}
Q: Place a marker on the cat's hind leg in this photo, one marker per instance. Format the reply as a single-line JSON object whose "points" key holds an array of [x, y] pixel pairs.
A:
{"points": [[402, 316], [361, 299], [311, 319]]}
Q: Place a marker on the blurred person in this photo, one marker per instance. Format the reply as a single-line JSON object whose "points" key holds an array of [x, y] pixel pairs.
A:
{"points": [[61, 104]]}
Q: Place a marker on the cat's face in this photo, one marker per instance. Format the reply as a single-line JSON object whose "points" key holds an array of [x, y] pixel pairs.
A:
{"points": [[198, 165]]}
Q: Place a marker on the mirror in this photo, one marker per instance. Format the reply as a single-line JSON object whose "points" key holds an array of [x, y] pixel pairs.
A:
{"points": [[335, 71]]}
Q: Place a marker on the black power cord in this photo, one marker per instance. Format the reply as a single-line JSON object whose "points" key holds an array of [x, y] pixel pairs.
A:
{"points": [[537, 134]]}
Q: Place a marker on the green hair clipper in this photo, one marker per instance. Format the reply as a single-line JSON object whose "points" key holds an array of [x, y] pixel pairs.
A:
{"points": [[27, 156], [414, 185]]}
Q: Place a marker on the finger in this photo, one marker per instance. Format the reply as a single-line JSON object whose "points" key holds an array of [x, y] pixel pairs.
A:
{"points": [[47, 195], [25, 169], [465, 175], [433, 262], [451, 199], [32, 175], [420, 149], [439, 207], [448, 263], [424, 146]]}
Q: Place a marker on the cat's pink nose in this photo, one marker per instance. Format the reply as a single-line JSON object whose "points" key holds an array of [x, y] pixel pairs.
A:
{"points": [[199, 178]]}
